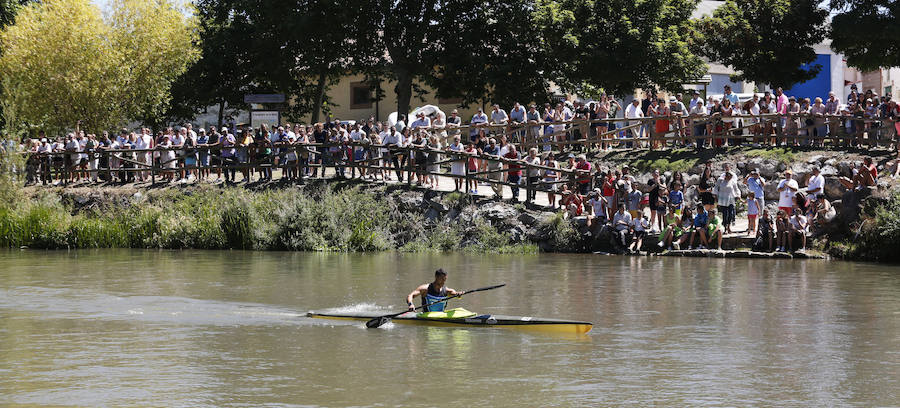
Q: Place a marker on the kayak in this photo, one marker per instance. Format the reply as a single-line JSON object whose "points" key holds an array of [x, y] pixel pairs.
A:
{"points": [[463, 317]]}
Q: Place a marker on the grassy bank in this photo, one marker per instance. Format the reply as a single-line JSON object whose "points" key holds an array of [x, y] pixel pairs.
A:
{"points": [[318, 218], [877, 237]]}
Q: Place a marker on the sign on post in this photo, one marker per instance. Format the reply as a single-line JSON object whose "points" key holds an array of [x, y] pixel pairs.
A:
{"points": [[264, 98], [270, 118]]}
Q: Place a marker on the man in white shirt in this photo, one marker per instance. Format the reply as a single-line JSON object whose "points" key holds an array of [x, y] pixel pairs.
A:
{"points": [[622, 225], [633, 111], [499, 116], [816, 184], [694, 100], [420, 122], [479, 120], [786, 190], [359, 151]]}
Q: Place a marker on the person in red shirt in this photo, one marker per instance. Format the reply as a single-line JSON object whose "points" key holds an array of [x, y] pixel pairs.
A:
{"points": [[572, 202], [515, 170], [609, 193], [584, 174]]}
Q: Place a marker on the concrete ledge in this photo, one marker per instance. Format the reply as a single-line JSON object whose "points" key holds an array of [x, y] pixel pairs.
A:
{"points": [[713, 253]]}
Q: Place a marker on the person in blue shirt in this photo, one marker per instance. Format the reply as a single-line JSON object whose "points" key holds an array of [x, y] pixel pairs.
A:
{"points": [[700, 223], [433, 292]]}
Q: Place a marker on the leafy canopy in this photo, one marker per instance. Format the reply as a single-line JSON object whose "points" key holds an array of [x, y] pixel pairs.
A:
{"points": [[766, 41], [867, 32], [63, 62]]}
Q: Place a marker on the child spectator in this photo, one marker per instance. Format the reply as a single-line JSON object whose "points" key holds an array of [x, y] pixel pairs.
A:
{"points": [[752, 213], [676, 197], [640, 226], [798, 228], [701, 220], [672, 232], [782, 230], [598, 208], [714, 230]]}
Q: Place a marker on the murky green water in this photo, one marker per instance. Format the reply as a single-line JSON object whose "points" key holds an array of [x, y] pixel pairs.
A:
{"points": [[148, 328]]}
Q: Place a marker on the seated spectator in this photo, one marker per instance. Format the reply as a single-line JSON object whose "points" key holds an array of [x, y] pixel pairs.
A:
{"points": [[713, 230], [640, 226], [865, 176], [766, 232], [621, 227], [597, 205], [798, 228], [782, 230], [823, 213], [701, 221], [572, 202], [672, 232]]}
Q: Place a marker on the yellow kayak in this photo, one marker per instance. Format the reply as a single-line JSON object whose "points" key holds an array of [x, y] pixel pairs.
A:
{"points": [[463, 317]]}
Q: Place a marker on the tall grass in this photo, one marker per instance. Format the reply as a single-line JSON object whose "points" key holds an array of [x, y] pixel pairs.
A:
{"points": [[317, 219], [878, 236]]}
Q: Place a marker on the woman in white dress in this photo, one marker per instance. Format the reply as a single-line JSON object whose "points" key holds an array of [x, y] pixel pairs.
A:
{"points": [[457, 167]]}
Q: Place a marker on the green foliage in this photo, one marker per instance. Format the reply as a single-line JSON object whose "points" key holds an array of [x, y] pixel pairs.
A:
{"points": [[561, 231], [872, 49], [664, 165], [618, 45], [766, 41], [879, 234], [779, 154], [62, 63]]}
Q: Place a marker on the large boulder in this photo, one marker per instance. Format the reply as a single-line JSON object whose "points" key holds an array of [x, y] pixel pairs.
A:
{"points": [[497, 211], [410, 200]]}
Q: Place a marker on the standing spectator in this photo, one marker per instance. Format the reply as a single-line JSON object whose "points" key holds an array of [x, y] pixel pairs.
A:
{"points": [[472, 162], [816, 184], [534, 121], [583, 168], [633, 198], [787, 187], [492, 151], [533, 174], [550, 178], [454, 122], [705, 187], [656, 213], [203, 154], [479, 121], [698, 119], [498, 116], [515, 171], [357, 137], [434, 146], [516, 120], [227, 141], [727, 192], [633, 111], [457, 167]]}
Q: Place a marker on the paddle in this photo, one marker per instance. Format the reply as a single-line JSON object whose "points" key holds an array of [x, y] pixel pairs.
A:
{"points": [[381, 320]]}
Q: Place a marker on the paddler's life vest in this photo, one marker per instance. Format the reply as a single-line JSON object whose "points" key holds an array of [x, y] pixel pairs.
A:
{"points": [[433, 295]]}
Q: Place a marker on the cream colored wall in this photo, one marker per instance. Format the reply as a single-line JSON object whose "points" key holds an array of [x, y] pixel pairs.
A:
{"points": [[340, 96]]}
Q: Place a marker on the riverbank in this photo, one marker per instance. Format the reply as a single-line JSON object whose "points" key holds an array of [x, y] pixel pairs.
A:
{"points": [[352, 215]]}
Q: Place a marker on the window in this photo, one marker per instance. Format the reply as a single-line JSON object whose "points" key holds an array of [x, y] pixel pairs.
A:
{"points": [[360, 95]]}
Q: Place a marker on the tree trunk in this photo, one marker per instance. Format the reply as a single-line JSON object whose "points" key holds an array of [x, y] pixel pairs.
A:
{"points": [[404, 92], [320, 96], [221, 114]]}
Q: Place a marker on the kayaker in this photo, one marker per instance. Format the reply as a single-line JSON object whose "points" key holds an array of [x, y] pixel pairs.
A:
{"points": [[433, 292]]}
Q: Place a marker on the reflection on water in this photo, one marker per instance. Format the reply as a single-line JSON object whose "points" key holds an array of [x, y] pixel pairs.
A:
{"points": [[149, 328]]}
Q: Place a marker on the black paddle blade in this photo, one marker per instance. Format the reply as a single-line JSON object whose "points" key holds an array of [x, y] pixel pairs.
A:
{"points": [[377, 322]]}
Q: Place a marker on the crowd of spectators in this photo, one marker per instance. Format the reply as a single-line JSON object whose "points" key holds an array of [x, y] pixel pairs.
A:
{"points": [[518, 148]]}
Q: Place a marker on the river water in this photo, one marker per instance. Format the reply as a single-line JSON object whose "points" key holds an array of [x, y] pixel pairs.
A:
{"points": [[157, 328]]}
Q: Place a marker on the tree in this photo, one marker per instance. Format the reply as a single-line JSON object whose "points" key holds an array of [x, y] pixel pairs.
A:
{"points": [[871, 48], [8, 10], [155, 41], [222, 74], [491, 52], [63, 63], [618, 45], [766, 41]]}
